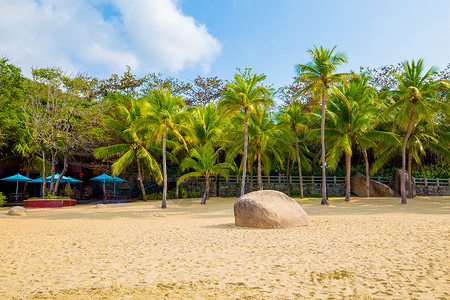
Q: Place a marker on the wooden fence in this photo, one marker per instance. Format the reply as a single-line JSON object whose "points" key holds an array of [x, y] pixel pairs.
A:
{"points": [[330, 180], [432, 182]]}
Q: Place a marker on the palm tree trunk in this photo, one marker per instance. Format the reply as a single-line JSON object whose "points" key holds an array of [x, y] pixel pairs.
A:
{"points": [[324, 163], [405, 142], [244, 166], [366, 159], [164, 204], [288, 175], [44, 173], [348, 166], [410, 181], [299, 165], [251, 179], [206, 193], [141, 180], [260, 184]]}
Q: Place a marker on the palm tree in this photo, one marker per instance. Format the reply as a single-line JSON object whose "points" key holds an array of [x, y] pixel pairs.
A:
{"points": [[318, 75], [416, 98], [352, 115], [267, 141], [203, 160], [244, 93], [425, 135], [134, 146], [163, 114], [295, 118]]}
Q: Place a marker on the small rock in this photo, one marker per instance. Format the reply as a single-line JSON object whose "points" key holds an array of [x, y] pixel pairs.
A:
{"points": [[17, 211], [160, 214], [100, 206]]}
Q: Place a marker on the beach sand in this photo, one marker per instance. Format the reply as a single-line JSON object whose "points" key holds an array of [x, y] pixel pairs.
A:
{"points": [[368, 248]]}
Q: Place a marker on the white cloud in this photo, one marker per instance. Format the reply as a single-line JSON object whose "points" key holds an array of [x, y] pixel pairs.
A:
{"points": [[147, 35]]}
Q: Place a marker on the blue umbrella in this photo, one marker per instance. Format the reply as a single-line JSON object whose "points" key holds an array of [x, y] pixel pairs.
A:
{"points": [[71, 180], [117, 179], [103, 178], [64, 179], [17, 178]]}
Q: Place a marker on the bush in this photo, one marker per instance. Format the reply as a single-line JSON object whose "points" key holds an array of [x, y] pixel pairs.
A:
{"points": [[2, 199]]}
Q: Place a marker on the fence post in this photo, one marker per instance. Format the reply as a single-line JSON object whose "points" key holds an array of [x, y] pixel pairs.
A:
{"points": [[437, 181], [426, 181], [290, 179], [334, 179], [312, 179], [379, 180]]}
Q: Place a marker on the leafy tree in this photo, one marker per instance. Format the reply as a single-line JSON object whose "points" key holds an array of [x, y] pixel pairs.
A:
{"points": [[203, 160], [319, 76], [204, 90], [11, 97]]}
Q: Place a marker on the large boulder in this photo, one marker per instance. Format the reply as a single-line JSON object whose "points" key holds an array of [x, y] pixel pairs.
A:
{"points": [[268, 209], [377, 189], [17, 211], [397, 184]]}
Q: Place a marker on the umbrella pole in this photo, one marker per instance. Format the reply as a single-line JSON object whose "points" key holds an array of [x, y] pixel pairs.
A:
{"points": [[114, 187], [104, 190], [17, 188]]}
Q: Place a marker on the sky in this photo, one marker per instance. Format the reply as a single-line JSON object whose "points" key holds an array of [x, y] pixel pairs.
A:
{"points": [[186, 38]]}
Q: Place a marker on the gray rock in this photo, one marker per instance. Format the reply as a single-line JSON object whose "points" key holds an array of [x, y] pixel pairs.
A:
{"points": [[100, 205], [377, 189], [17, 211], [269, 209]]}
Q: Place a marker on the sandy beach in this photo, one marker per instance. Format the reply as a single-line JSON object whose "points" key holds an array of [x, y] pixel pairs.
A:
{"points": [[369, 248]]}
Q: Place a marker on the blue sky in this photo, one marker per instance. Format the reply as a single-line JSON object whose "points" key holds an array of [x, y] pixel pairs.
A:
{"points": [[183, 38]]}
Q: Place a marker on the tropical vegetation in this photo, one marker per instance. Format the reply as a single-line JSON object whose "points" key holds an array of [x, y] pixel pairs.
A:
{"points": [[157, 129]]}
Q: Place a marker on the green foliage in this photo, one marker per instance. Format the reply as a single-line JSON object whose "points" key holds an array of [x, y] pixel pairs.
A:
{"points": [[438, 171], [2, 199]]}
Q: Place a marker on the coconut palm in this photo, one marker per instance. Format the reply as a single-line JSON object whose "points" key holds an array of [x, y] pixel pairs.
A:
{"points": [[134, 146], [244, 93], [416, 98], [425, 135], [319, 76], [203, 160], [296, 119], [163, 114], [352, 115], [267, 141]]}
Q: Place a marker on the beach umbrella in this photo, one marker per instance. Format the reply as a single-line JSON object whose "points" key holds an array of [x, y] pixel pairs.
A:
{"points": [[117, 179], [103, 178], [71, 180], [17, 178]]}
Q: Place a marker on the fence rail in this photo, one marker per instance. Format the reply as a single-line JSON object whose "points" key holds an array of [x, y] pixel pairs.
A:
{"points": [[293, 179], [432, 181], [280, 179]]}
